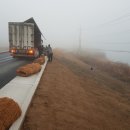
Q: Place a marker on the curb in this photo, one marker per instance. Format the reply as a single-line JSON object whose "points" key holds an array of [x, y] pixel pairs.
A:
{"points": [[22, 89]]}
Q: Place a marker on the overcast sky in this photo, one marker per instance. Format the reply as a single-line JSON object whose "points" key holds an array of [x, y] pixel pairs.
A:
{"points": [[103, 23]]}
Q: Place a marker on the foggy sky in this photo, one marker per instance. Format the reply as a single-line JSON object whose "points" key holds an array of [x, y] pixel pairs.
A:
{"points": [[103, 23]]}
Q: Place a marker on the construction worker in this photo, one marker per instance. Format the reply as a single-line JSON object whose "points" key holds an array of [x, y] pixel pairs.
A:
{"points": [[40, 48], [50, 53]]}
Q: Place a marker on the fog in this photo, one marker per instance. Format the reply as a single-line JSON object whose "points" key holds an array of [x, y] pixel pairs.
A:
{"points": [[101, 24]]}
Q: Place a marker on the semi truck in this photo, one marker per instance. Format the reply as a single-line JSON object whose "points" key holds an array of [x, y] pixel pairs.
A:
{"points": [[25, 39]]}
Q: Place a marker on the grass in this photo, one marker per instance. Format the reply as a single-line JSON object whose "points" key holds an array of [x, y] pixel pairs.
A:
{"points": [[98, 60]]}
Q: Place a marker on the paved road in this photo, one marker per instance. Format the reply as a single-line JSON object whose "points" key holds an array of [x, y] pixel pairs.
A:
{"points": [[8, 66]]}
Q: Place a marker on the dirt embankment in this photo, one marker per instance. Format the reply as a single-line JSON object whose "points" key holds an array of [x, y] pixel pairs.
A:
{"points": [[72, 96]]}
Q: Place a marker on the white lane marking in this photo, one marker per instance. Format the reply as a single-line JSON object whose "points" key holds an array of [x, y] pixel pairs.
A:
{"points": [[5, 59]]}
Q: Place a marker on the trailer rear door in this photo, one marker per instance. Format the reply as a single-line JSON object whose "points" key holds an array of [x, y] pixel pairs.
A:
{"points": [[21, 35]]}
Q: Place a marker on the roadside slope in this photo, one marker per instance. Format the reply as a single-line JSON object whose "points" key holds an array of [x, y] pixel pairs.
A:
{"points": [[70, 96]]}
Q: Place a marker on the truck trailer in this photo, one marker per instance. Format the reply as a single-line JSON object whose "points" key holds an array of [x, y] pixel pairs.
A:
{"points": [[25, 39]]}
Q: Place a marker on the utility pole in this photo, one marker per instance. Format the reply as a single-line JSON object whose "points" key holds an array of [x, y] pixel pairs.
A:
{"points": [[80, 35]]}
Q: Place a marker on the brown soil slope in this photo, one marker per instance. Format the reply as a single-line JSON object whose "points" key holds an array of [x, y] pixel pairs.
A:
{"points": [[71, 96]]}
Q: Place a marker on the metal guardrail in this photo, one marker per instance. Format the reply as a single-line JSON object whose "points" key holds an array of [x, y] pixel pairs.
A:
{"points": [[3, 51]]}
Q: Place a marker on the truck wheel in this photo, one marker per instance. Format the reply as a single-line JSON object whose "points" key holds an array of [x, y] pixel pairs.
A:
{"points": [[14, 56]]}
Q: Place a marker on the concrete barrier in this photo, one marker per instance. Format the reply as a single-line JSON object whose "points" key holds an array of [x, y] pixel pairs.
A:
{"points": [[22, 89]]}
